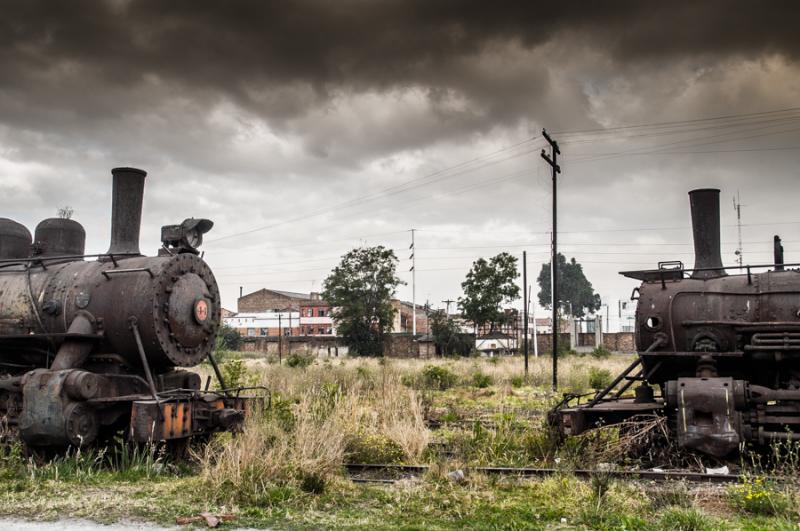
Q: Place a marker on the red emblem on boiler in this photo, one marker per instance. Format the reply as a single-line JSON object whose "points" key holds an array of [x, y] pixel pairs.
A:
{"points": [[201, 310]]}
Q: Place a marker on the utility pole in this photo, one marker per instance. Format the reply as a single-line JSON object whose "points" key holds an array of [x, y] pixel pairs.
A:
{"points": [[280, 338], [552, 160], [535, 339], [448, 302], [525, 308], [737, 206], [413, 285]]}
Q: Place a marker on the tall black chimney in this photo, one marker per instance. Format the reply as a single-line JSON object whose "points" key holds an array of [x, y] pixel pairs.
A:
{"points": [[705, 229], [126, 210], [778, 252]]}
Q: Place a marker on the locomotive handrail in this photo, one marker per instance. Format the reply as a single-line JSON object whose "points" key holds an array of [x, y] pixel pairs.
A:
{"points": [[41, 259], [123, 271], [55, 335], [644, 274]]}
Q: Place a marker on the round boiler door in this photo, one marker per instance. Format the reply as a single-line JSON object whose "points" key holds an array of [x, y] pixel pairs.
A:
{"points": [[189, 310]]}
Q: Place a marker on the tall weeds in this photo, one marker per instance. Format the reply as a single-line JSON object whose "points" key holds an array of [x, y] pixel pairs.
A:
{"points": [[319, 420]]}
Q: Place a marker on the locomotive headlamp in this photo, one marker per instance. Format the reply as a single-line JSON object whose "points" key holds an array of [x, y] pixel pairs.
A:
{"points": [[186, 237]]}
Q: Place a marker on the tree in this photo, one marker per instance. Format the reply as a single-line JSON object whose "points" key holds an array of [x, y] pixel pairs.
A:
{"points": [[489, 285], [360, 291], [66, 212], [573, 287], [228, 338], [447, 335]]}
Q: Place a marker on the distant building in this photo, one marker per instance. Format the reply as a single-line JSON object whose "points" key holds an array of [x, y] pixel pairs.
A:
{"points": [[315, 317], [403, 318], [225, 313], [544, 325], [271, 300], [265, 324], [496, 343], [303, 314]]}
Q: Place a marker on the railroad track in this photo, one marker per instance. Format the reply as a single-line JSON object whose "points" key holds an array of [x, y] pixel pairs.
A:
{"points": [[390, 473]]}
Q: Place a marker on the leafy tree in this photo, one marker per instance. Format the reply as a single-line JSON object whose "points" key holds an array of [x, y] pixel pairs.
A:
{"points": [[447, 335], [573, 287], [489, 285], [228, 338], [360, 291]]}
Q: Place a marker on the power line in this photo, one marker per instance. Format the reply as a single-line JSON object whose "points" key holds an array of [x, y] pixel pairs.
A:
{"points": [[658, 124], [399, 188]]}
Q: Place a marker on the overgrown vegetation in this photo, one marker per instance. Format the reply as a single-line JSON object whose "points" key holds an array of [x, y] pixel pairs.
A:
{"points": [[286, 469]]}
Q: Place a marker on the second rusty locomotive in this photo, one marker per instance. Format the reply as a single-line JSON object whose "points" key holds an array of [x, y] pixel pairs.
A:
{"points": [[718, 350], [93, 344]]}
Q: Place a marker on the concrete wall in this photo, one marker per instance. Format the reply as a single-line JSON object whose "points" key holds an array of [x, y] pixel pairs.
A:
{"points": [[616, 342], [316, 345], [620, 342], [403, 346]]}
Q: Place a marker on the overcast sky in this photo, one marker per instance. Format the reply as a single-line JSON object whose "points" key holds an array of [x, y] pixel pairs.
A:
{"points": [[305, 128]]}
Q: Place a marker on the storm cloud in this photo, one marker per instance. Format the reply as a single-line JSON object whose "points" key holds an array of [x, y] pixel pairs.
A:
{"points": [[255, 113]]}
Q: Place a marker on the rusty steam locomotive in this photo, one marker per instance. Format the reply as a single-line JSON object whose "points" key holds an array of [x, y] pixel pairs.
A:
{"points": [[91, 347], [718, 353]]}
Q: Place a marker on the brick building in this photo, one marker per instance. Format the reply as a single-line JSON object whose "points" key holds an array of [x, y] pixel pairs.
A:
{"points": [[404, 318], [270, 300], [308, 313], [265, 324], [315, 317]]}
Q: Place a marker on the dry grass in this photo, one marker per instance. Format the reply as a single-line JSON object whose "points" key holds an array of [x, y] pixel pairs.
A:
{"points": [[346, 410]]}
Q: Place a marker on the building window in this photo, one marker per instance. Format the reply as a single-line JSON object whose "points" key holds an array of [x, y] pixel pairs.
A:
{"points": [[251, 332], [321, 312]]}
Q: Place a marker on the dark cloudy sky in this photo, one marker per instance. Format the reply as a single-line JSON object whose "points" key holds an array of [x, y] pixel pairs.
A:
{"points": [[304, 128]]}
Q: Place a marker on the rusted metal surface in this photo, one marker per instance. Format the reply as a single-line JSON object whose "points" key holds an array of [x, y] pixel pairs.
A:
{"points": [[89, 347], [15, 239], [59, 237], [721, 351], [126, 210]]}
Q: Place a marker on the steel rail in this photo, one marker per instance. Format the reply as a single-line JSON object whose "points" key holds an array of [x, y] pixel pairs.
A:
{"points": [[631, 475]]}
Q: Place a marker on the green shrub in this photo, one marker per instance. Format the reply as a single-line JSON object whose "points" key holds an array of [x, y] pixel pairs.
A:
{"points": [[599, 378], [234, 373], [756, 495], [373, 448], [481, 380], [437, 377], [299, 360], [517, 381], [601, 352]]}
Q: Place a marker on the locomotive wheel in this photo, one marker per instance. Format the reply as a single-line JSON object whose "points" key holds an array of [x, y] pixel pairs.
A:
{"points": [[81, 424]]}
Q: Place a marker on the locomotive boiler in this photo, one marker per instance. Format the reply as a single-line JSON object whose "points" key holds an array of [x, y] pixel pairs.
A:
{"points": [[718, 349], [94, 344]]}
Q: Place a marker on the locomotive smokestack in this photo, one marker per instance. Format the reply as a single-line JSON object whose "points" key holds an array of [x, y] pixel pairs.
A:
{"points": [[705, 229], [126, 210]]}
